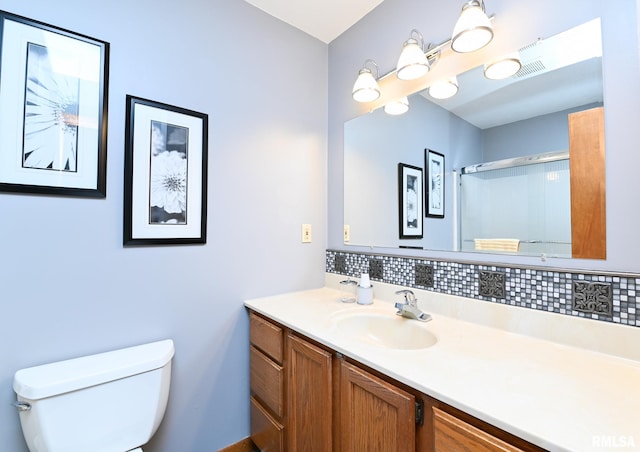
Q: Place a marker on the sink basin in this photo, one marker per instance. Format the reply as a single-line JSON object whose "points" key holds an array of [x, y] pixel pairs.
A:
{"points": [[387, 331]]}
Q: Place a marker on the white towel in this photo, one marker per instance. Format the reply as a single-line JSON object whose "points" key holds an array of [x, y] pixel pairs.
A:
{"points": [[511, 245]]}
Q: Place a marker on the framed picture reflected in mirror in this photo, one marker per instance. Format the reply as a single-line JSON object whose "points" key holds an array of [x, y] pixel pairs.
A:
{"points": [[410, 201], [434, 189]]}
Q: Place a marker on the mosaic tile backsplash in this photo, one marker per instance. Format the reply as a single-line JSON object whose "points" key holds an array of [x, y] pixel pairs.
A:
{"points": [[610, 297]]}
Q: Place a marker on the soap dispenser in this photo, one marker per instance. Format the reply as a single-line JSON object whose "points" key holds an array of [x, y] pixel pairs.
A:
{"points": [[365, 290]]}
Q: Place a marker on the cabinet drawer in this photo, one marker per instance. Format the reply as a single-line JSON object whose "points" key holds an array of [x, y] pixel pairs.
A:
{"points": [[267, 337], [266, 432], [267, 381], [452, 434]]}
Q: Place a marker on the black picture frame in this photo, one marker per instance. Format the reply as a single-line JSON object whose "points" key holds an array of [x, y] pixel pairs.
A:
{"points": [[165, 174], [410, 204], [434, 187], [53, 109]]}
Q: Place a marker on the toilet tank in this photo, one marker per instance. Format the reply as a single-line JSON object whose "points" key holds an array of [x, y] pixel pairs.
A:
{"points": [[109, 402]]}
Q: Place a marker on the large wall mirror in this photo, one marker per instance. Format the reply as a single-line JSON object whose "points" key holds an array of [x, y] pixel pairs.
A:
{"points": [[508, 183]]}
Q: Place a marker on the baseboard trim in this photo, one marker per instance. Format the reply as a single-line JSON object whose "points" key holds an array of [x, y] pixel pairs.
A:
{"points": [[245, 445]]}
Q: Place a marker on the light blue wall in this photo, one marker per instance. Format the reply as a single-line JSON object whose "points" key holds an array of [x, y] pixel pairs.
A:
{"points": [[376, 143], [380, 36], [545, 133], [69, 288]]}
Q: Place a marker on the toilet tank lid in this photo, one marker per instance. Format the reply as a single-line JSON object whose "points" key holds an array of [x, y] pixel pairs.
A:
{"points": [[48, 380]]}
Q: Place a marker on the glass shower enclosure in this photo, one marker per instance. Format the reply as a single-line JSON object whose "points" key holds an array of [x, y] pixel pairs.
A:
{"points": [[520, 206]]}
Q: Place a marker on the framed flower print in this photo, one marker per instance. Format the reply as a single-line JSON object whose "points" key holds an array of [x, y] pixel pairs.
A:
{"points": [[53, 109], [410, 201], [434, 163], [165, 183]]}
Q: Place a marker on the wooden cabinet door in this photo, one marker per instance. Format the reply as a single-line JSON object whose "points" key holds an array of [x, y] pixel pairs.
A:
{"points": [[375, 416], [309, 407], [454, 435]]}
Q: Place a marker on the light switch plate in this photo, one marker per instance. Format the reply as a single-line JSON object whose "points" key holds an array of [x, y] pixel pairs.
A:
{"points": [[306, 233]]}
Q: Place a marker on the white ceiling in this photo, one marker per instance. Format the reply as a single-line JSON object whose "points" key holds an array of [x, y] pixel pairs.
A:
{"points": [[323, 19]]}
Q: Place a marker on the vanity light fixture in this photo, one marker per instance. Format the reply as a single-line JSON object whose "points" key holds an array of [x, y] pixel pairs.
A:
{"points": [[444, 89], [397, 107], [473, 29], [366, 88], [503, 68], [413, 63]]}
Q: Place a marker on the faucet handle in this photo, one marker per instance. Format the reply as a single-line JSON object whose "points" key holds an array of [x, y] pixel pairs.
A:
{"points": [[409, 296], [348, 281]]}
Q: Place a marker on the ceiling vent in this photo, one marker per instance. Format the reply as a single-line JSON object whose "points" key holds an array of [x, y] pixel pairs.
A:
{"points": [[528, 69]]}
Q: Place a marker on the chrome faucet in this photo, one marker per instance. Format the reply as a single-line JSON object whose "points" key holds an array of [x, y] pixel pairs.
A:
{"points": [[409, 308]]}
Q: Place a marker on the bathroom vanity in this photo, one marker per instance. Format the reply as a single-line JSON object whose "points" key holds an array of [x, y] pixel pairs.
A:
{"points": [[372, 411], [332, 376]]}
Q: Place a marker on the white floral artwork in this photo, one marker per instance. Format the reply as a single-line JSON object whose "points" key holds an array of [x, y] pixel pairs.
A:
{"points": [[412, 202], [168, 181], [50, 115]]}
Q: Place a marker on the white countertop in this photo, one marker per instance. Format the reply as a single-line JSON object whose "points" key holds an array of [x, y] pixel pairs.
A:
{"points": [[526, 372]]}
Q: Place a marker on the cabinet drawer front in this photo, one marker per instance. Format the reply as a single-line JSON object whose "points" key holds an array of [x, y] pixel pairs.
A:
{"points": [[452, 434], [267, 381], [267, 337], [266, 432]]}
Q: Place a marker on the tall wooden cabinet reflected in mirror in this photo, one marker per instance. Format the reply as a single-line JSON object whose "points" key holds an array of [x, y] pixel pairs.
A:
{"points": [[588, 205]]}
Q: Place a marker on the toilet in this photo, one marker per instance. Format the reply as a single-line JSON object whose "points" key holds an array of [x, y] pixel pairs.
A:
{"points": [[109, 402]]}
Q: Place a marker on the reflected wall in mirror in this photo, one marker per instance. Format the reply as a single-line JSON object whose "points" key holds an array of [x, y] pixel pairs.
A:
{"points": [[486, 121]]}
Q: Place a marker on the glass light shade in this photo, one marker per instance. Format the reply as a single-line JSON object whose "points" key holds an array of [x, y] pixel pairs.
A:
{"points": [[366, 88], [397, 107], [506, 67], [473, 29], [444, 89], [412, 63]]}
